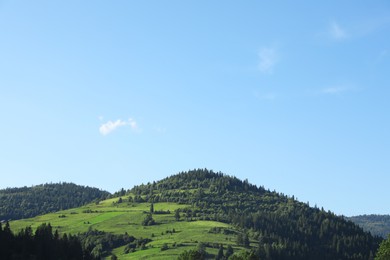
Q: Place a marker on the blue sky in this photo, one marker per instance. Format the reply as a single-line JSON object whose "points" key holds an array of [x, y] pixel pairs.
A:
{"points": [[292, 96]]}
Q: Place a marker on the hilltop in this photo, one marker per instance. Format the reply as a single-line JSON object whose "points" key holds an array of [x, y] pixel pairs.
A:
{"points": [[208, 213], [27, 202]]}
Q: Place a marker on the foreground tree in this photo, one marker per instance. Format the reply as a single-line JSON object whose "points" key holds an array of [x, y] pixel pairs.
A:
{"points": [[384, 250], [41, 245]]}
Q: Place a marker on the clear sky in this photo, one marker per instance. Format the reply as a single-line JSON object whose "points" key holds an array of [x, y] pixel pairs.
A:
{"points": [[291, 95]]}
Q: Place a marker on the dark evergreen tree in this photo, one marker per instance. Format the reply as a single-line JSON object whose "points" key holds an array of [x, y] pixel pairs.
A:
{"points": [[41, 245], [177, 215], [148, 220], [220, 255], [229, 251]]}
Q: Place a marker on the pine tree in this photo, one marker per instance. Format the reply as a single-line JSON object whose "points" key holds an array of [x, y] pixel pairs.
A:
{"points": [[220, 253], [177, 215], [229, 251]]}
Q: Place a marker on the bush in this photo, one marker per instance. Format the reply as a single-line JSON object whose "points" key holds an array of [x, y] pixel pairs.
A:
{"points": [[164, 247], [148, 221]]}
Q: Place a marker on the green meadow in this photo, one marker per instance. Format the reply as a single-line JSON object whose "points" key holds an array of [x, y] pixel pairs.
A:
{"points": [[126, 217]]}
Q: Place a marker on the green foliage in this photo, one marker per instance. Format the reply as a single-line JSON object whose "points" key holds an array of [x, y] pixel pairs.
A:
{"points": [[164, 247], [384, 250], [45, 198], [177, 215], [220, 255], [100, 243], [41, 245], [201, 248], [229, 251], [243, 239], [148, 220], [191, 255]]}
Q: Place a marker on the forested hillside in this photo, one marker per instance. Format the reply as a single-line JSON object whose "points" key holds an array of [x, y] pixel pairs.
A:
{"points": [[283, 227], [208, 215], [378, 225], [26, 202]]}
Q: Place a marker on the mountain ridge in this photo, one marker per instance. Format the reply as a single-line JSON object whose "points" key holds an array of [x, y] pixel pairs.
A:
{"points": [[213, 206]]}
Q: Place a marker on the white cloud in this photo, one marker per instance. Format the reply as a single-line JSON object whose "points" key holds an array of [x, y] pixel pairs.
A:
{"points": [[268, 59], [336, 32], [110, 126]]}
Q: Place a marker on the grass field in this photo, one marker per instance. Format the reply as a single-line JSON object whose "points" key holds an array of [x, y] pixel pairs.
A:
{"points": [[118, 218]]}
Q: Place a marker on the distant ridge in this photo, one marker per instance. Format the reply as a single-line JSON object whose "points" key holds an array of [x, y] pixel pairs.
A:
{"points": [[26, 202], [378, 225]]}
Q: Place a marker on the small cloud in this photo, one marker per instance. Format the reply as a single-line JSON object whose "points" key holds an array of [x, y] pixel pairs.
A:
{"points": [[268, 59], [336, 32], [110, 126]]}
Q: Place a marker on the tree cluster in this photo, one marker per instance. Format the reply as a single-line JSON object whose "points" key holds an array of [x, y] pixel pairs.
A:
{"points": [[43, 244], [100, 243]]}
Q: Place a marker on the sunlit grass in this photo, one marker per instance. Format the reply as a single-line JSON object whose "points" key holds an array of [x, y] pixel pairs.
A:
{"points": [[109, 216]]}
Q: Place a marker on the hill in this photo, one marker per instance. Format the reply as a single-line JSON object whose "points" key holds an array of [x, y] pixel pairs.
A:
{"points": [[206, 213], [26, 202], [378, 225]]}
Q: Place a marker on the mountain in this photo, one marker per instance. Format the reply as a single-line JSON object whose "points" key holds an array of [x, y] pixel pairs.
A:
{"points": [[207, 214], [378, 225], [26, 202], [287, 226]]}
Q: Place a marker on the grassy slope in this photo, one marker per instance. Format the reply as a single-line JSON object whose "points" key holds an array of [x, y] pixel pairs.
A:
{"points": [[127, 217]]}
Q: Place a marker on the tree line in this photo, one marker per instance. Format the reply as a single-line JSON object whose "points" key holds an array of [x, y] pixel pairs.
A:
{"points": [[41, 244]]}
